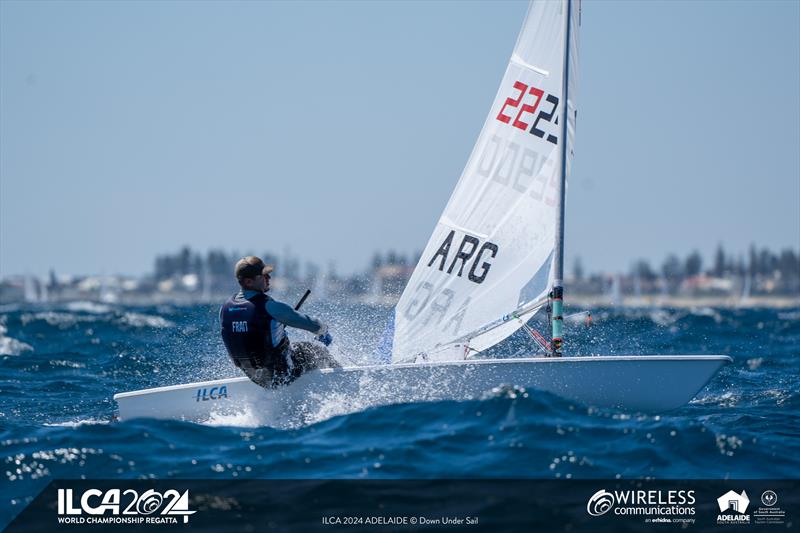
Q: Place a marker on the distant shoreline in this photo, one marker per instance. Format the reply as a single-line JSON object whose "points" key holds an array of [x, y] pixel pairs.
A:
{"points": [[585, 301], [684, 302], [589, 301]]}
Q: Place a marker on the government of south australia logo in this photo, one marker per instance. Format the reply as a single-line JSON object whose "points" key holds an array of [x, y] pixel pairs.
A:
{"points": [[733, 508], [769, 498], [600, 502]]}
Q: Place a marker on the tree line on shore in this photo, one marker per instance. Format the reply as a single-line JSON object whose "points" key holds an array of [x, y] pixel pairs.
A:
{"points": [[193, 275], [760, 270]]}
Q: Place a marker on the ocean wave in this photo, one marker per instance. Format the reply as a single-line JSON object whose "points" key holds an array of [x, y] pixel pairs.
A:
{"points": [[722, 399], [663, 317], [66, 364], [57, 319], [78, 423], [54, 423], [139, 320], [85, 306], [789, 315], [245, 419], [67, 320], [9, 346], [707, 312], [510, 392]]}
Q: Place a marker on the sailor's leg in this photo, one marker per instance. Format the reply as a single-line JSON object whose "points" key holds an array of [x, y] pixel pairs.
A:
{"points": [[259, 376], [310, 355]]}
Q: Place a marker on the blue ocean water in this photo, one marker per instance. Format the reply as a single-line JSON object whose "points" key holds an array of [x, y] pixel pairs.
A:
{"points": [[60, 366]]}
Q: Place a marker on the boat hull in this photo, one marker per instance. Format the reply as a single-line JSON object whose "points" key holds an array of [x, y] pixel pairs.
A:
{"points": [[629, 383]]}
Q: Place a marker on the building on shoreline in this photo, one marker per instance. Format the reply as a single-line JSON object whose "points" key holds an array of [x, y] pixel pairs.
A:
{"points": [[768, 279]]}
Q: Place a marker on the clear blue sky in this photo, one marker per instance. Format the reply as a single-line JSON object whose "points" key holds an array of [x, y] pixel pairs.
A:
{"points": [[128, 129]]}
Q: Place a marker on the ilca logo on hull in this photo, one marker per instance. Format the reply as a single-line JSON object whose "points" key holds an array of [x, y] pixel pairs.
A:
{"points": [[211, 393]]}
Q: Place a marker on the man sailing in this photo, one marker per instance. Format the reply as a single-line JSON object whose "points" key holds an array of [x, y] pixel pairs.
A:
{"points": [[253, 330]]}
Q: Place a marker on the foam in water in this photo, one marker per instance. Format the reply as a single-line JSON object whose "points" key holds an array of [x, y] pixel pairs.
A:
{"points": [[53, 318], [78, 423], [245, 418], [139, 320], [9, 346], [82, 306]]}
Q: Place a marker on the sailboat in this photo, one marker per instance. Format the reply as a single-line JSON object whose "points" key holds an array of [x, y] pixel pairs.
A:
{"points": [[495, 258]]}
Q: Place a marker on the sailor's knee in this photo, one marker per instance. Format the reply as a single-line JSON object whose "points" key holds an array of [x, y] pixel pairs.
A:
{"points": [[260, 376]]}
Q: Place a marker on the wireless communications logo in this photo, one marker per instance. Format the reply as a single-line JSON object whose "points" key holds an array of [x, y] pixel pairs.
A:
{"points": [[600, 502], [116, 506], [655, 506]]}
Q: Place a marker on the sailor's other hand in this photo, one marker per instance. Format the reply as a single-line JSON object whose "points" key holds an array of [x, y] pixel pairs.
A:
{"points": [[325, 339]]}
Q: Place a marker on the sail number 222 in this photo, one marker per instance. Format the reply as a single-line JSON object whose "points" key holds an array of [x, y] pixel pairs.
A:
{"points": [[530, 108]]}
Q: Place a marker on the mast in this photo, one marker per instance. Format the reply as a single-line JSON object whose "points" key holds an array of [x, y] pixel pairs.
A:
{"points": [[558, 256]]}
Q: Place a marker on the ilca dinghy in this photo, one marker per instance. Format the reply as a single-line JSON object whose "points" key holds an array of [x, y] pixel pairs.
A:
{"points": [[495, 258]]}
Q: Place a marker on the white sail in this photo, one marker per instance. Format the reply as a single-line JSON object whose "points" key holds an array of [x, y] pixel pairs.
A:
{"points": [[491, 252]]}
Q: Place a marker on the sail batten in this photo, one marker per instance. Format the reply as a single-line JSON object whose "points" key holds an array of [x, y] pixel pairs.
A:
{"points": [[494, 245], [518, 61], [447, 222]]}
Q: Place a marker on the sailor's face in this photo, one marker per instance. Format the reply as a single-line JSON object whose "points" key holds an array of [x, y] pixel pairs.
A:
{"points": [[266, 278]]}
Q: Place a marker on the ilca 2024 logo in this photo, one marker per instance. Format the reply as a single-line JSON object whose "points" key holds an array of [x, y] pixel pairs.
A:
{"points": [[115, 506]]}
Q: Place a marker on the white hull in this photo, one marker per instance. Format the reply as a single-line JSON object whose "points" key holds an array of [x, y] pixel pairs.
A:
{"points": [[630, 383]]}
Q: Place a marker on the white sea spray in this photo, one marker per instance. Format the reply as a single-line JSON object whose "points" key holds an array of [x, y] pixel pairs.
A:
{"points": [[140, 320], [10, 346]]}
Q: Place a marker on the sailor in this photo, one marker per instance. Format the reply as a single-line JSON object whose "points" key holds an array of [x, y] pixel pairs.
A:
{"points": [[253, 330]]}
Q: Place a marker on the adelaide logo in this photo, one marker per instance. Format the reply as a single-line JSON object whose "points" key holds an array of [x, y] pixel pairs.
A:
{"points": [[600, 502], [734, 502], [733, 508]]}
